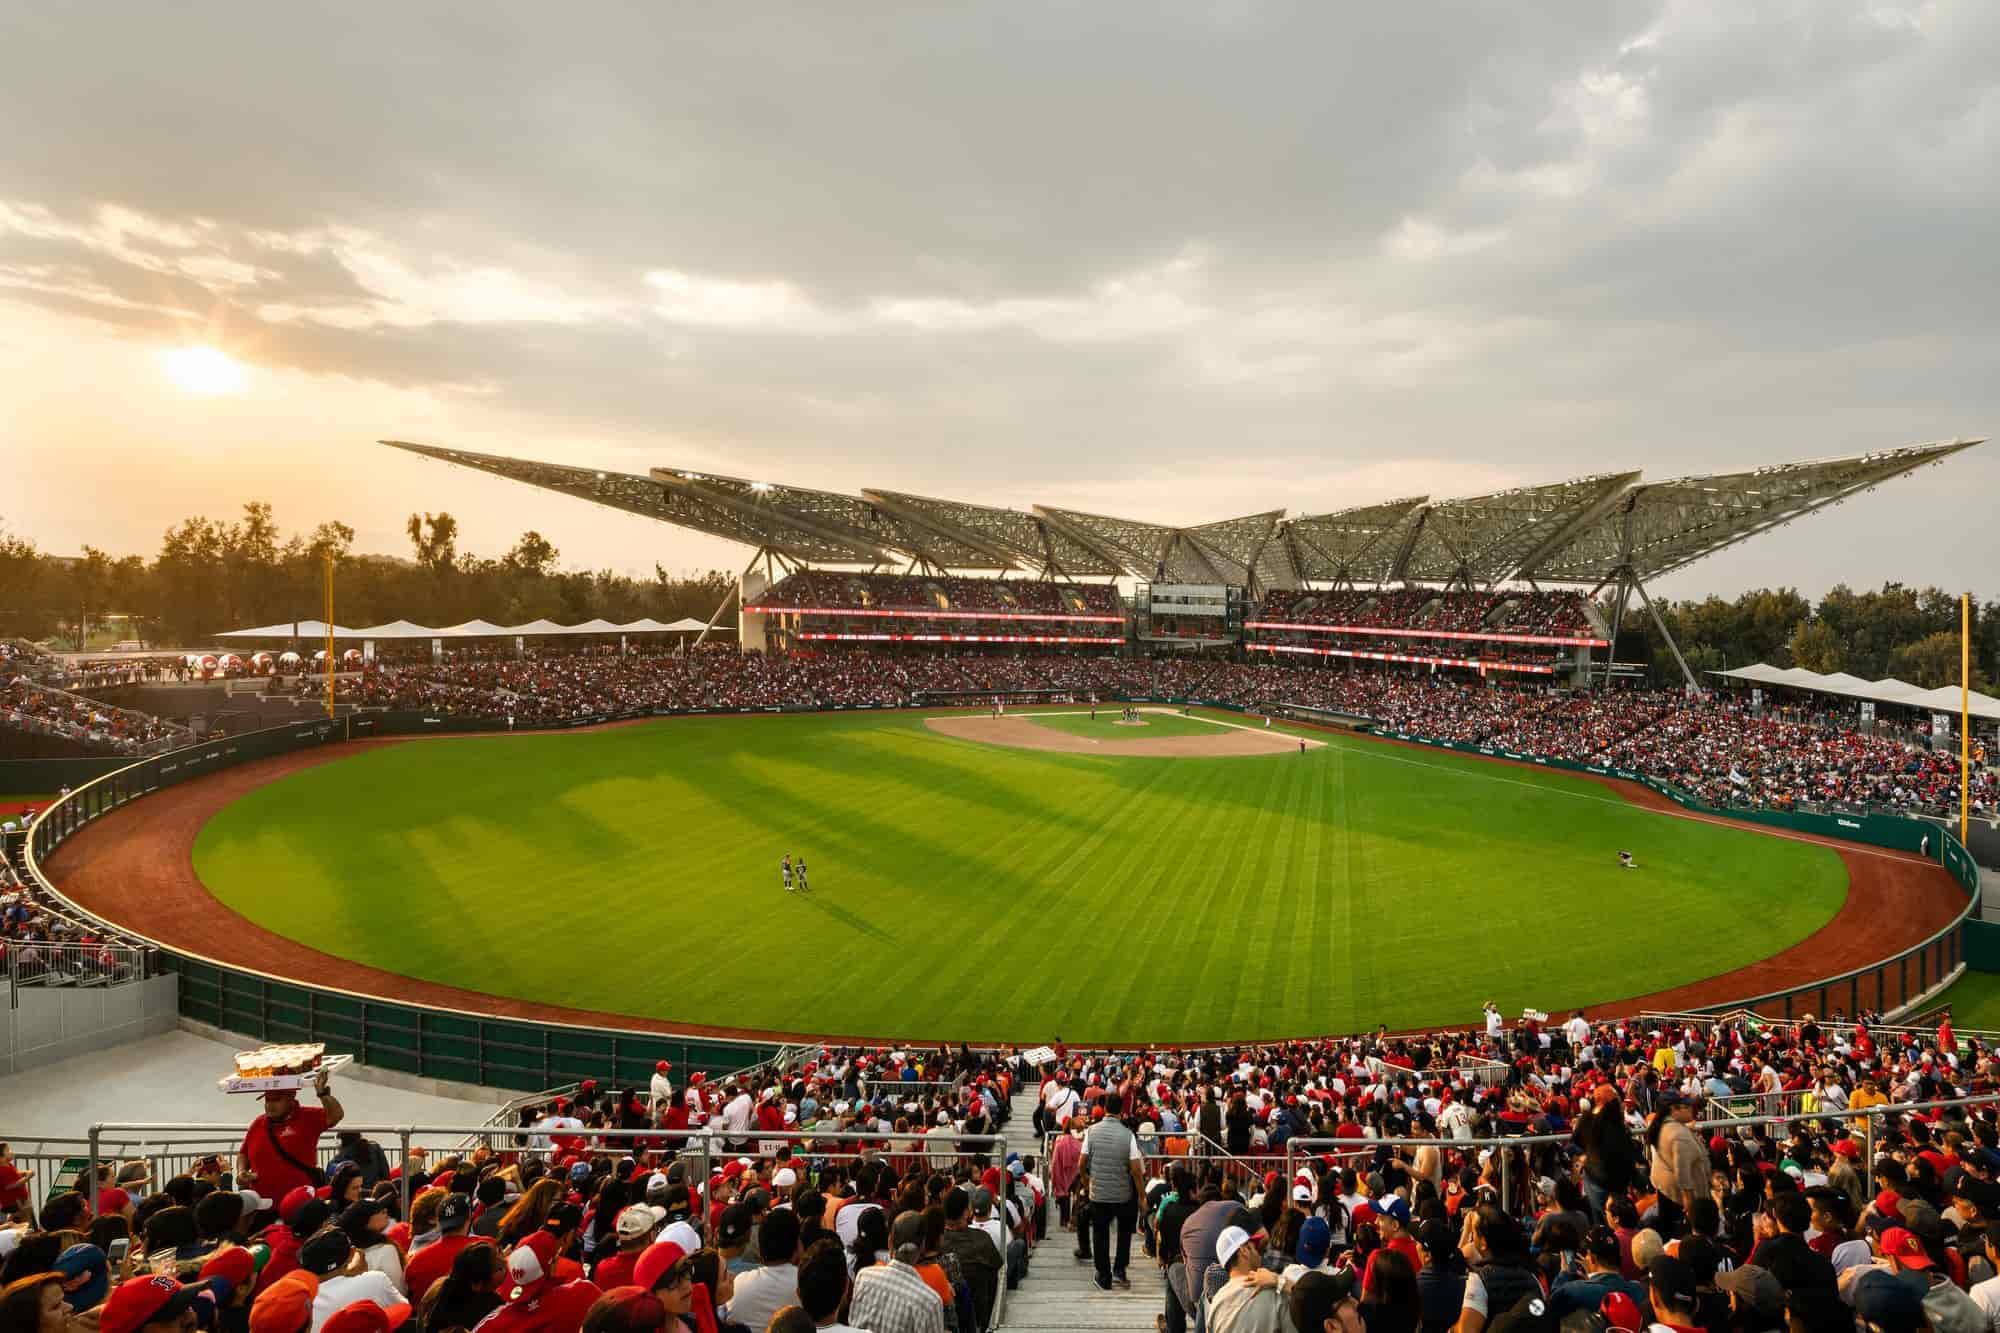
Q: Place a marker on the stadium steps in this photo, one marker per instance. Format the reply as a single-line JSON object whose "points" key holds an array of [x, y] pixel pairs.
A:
{"points": [[1059, 1293]]}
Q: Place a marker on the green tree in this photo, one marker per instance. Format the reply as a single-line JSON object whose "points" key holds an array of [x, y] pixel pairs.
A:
{"points": [[188, 577], [1815, 647], [1932, 661], [532, 556], [24, 607], [435, 539]]}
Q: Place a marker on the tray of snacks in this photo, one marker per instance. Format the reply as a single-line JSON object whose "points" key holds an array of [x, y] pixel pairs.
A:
{"points": [[281, 1068]]}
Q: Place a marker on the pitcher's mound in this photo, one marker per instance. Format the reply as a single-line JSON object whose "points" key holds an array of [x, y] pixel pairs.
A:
{"points": [[1021, 734]]}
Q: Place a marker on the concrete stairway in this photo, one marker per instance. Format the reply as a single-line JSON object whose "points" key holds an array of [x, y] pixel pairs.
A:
{"points": [[1060, 1293]]}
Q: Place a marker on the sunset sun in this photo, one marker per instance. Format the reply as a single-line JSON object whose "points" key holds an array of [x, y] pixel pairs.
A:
{"points": [[204, 371]]}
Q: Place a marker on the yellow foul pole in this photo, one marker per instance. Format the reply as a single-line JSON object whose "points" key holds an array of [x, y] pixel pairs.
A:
{"points": [[1964, 716], [329, 633]]}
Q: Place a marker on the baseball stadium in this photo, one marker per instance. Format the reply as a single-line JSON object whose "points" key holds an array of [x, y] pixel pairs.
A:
{"points": [[1244, 781], [951, 827], [1219, 668]]}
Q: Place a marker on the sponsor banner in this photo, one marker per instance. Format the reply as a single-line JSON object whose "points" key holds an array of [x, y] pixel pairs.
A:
{"points": [[897, 613], [957, 638]]}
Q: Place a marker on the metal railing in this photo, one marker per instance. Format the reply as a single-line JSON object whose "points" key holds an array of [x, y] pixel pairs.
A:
{"points": [[51, 964]]}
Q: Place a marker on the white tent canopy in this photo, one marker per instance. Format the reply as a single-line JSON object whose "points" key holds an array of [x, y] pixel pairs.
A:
{"points": [[292, 629], [1887, 690], [395, 629]]}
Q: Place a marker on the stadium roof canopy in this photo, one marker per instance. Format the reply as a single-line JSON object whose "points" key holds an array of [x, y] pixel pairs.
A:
{"points": [[1888, 690], [1614, 527]]}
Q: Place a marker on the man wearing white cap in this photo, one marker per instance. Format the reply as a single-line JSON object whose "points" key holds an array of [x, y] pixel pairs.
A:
{"points": [[1248, 1302]]}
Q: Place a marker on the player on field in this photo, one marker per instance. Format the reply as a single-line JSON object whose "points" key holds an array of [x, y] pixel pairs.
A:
{"points": [[1625, 861], [785, 869], [799, 868]]}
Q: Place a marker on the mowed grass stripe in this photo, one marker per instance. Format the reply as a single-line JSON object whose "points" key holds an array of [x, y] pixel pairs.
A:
{"points": [[962, 890]]}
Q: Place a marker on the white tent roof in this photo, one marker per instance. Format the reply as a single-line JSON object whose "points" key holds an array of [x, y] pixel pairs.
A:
{"points": [[539, 627], [302, 629], [395, 629], [689, 625], [1946, 700], [1887, 690], [474, 629]]}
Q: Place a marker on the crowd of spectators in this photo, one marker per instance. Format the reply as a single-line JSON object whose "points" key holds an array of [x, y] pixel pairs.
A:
{"points": [[96, 727], [1523, 612], [18, 657], [1384, 1170], [915, 592], [1566, 1176], [1722, 752], [563, 1227], [41, 942]]}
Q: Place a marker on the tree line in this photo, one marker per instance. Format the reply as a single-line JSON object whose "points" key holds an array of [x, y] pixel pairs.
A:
{"points": [[212, 575], [1909, 633]]}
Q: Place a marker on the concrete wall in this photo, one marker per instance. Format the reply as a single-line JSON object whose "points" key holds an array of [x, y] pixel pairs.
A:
{"points": [[42, 1024]]}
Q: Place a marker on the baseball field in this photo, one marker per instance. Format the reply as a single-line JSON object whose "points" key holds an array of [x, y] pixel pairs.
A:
{"points": [[1017, 878]]}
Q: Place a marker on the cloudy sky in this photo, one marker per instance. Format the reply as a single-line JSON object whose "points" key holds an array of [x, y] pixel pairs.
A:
{"points": [[1178, 262]]}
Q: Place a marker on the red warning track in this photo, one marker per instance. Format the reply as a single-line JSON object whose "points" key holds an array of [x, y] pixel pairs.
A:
{"points": [[135, 866]]}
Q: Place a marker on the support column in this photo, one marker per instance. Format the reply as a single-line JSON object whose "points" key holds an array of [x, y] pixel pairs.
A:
{"points": [[730, 596], [1617, 623], [1661, 625]]}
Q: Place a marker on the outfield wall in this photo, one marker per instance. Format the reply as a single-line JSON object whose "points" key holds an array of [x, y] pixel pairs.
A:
{"points": [[467, 1047]]}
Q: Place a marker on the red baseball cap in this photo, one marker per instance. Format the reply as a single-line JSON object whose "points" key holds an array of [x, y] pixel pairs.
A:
{"points": [[530, 1265], [660, 1256], [564, 1307], [295, 1198], [1621, 1311], [1902, 1245], [137, 1302], [365, 1316], [236, 1264]]}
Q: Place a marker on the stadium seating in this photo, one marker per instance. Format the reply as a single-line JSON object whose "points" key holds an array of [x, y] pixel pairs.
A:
{"points": [[92, 727], [814, 606], [1569, 1155]]}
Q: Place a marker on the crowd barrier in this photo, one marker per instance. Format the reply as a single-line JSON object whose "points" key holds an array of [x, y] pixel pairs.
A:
{"points": [[523, 1055]]}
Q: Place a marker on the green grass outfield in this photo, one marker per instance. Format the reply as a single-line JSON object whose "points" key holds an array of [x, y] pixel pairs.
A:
{"points": [[966, 891]]}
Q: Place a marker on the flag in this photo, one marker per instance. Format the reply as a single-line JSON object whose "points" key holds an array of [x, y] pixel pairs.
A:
{"points": [[1737, 777]]}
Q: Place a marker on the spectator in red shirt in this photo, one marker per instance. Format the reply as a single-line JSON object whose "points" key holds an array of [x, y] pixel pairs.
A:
{"points": [[13, 1184], [281, 1150], [433, 1262]]}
